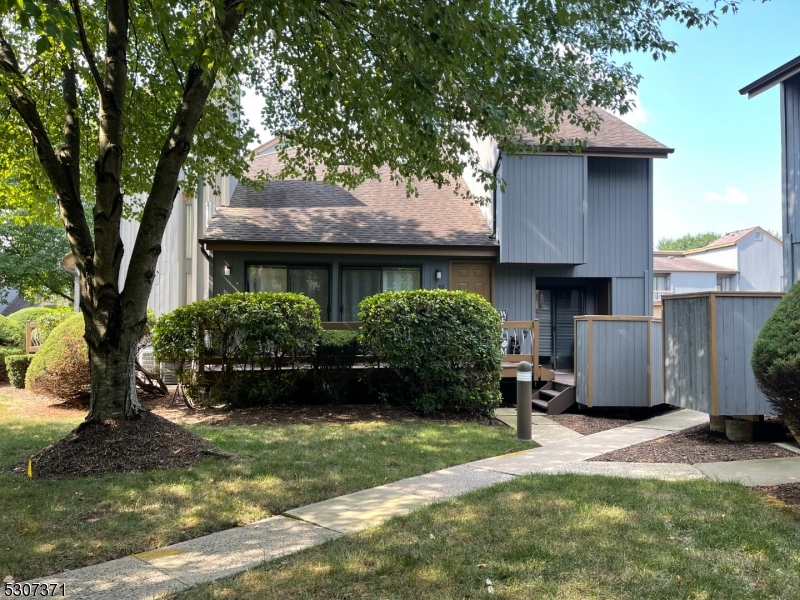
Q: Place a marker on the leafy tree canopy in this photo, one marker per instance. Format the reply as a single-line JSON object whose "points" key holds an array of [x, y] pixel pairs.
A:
{"points": [[111, 103], [687, 242], [29, 254]]}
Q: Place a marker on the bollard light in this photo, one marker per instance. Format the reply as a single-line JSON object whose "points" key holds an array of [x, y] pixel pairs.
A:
{"points": [[524, 400]]}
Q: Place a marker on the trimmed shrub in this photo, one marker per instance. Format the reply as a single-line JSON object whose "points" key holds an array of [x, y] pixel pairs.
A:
{"points": [[255, 336], [51, 319], [776, 359], [60, 367], [12, 334], [332, 362], [32, 313], [16, 367], [443, 346], [6, 351]]}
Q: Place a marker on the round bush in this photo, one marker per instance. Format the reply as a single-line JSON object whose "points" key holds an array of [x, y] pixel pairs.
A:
{"points": [[48, 321], [60, 368], [443, 345], [776, 359], [32, 313], [12, 334]]}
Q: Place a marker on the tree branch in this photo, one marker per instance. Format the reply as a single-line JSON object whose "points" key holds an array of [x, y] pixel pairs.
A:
{"points": [[71, 153], [87, 49], [69, 201]]}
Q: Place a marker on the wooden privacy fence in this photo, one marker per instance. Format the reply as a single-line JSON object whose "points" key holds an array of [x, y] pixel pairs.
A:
{"points": [[618, 361], [708, 339]]}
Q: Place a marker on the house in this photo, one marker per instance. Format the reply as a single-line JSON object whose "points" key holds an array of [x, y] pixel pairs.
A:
{"points": [[745, 260], [788, 77], [674, 273], [570, 234]]}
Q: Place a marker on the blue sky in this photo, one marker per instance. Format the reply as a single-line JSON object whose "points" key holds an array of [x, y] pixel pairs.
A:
{"points": [[725, 172]]}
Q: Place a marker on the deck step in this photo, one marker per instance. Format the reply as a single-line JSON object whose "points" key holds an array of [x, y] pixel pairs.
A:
{"points": [[554, 397]]}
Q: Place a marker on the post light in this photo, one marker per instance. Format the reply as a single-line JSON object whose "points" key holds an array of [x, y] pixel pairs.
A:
{"points": [[524, 400]]}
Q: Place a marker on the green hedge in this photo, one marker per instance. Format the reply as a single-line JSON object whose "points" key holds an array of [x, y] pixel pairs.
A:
{"points": [[16, 367], [48, 321], [253, 335], [60, 367], [444, 346], [332, 362], [32, 313], [776, 358], [12, 334]]}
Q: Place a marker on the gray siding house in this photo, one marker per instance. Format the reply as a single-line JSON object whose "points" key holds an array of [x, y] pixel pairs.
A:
{"points": [[788, 77], [571, 234]]}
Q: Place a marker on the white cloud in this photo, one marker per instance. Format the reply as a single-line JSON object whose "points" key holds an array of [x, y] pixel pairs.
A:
{"points": [[636, 115], [731, 196]]}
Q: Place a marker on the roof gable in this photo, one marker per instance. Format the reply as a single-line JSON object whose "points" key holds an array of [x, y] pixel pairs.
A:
{"points": [[774, 77], [732, 238], [376, 212]]}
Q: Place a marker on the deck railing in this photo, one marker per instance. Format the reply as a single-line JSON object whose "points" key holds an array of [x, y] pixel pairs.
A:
{"points": [[31, 337], [658, 293]]}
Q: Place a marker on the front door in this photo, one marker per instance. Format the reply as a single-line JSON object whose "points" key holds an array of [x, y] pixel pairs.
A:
{"points": [[556, 309], [473, 276]]}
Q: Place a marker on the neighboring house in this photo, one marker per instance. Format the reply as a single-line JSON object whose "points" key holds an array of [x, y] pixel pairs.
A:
{"points": [[12, 302], [788, 77], [571, 234], [674, 273]]}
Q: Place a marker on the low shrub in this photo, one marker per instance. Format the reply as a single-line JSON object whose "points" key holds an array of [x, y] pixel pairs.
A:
{"points": [[12, 334], [256, 337], [776, 359], [332, 362], [442, 345], [4, 352], [48, 321], [32, 313], [16, 367], [60, 367]]}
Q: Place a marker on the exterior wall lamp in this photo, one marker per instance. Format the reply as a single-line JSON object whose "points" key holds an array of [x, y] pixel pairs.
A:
{"points": [[438, 274], [226, 270]]}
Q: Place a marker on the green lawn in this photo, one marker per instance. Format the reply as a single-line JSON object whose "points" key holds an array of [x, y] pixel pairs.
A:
{"points": [[50, 526], [554, 537]]}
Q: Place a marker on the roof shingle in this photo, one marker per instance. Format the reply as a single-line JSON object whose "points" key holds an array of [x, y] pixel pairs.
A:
{"points": [[376, 212], [675, 264]]}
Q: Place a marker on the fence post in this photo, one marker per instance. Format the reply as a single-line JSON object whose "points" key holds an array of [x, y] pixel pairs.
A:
{"points": [[524, 396]]}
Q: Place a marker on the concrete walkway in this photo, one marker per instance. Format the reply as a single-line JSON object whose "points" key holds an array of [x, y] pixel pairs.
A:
{"points": [[226, 553]]}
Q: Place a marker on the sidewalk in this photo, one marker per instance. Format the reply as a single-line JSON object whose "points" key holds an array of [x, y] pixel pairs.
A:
{"points": [[226, 553]]}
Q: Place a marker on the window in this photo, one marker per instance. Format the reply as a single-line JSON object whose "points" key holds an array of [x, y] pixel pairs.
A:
{"points": [[759, 236], [360, 282], [724, 284], [309, 281], [661, 283]]}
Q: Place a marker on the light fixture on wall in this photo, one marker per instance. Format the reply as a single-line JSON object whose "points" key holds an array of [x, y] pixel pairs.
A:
{"points": [[226, 270], [438, 274]]}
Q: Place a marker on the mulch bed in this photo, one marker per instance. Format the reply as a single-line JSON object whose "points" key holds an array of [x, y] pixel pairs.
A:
{"points": [[591, 421], [701, 445], [788, 493], [94, 449]]}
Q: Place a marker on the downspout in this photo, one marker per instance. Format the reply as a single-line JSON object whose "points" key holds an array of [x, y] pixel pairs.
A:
{"points": [[494, 193]]}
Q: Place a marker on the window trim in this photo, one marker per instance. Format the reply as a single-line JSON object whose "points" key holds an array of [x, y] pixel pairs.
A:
{"points": [[380, 268], [288, 266]]}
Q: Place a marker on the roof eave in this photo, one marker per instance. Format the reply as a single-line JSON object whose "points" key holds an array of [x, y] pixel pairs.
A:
{"points": [[606, 151], [779, 75]]}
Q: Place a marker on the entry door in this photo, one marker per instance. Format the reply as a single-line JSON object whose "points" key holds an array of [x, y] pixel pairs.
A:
{"points": [[555, 309], [472, 277]]}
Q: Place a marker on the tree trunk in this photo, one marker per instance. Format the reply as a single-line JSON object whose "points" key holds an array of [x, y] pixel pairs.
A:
{"points": [[113, 372]]}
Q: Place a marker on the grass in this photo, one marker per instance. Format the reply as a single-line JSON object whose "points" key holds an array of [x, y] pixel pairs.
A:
{"points": [[564, 537], [50, 526]]}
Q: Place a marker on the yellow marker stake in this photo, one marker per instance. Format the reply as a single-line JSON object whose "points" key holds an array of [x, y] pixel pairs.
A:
{"points": [[30, 469]]}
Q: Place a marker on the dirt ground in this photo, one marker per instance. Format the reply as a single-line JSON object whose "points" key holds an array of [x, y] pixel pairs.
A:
{"points": [[590, 421]]}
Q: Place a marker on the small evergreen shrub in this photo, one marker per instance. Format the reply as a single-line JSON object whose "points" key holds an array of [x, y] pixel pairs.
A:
{"points": [[12, 334], [332, 363], [16, 367], [48, 321], [60, 367], [776, 359], [258, 339], [443, 346], [32, 313]]}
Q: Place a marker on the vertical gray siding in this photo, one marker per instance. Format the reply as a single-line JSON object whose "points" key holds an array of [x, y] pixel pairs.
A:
{"points": [[739, 319], [760, 264], [656, 364], [687, 283], [790, 171], [619, 363], [582, 362], [514, 291], [544, 210], [237, 280], [687, 367], [628, 296]]}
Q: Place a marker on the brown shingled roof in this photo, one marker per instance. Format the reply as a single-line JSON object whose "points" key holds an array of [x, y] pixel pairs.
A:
{"points": [[729, 239], [376, 212], [614, 136], [665, 264]]}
